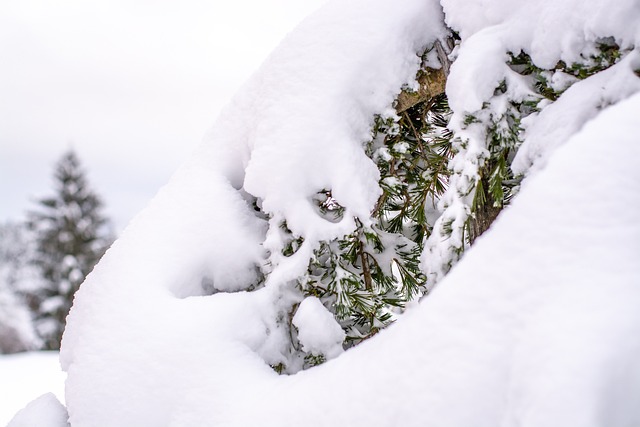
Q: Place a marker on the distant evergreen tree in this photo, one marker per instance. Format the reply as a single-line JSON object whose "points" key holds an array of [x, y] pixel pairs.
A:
{"points": [[71, 236]]}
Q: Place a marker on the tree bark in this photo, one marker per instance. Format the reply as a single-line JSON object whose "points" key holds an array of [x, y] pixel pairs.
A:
{"points": [[432, 83]]}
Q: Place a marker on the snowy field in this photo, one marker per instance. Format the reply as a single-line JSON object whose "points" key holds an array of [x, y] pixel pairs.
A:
{"points": [[23, 377]]}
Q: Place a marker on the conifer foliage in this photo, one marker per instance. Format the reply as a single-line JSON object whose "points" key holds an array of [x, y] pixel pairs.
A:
{"points": [[366, 278], [71, 236], [444, 180], [486, 144], [373, 272]]}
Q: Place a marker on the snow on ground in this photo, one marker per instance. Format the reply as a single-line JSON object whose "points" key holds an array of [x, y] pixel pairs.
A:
{"points": [[25, 376], [45, 411]]}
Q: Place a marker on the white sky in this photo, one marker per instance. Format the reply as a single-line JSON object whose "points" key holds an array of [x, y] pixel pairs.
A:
{"points": [[131, 85]]}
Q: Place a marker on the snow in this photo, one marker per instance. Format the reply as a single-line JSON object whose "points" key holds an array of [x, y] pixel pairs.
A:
{"points": [[548, 31], [536, 325], [582, 101], [312, 106], [318, 331], [548, 337], [26, 376], [45, 411]]}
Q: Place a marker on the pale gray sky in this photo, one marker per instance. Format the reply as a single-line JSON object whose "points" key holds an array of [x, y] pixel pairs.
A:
{"points": [[131, 85]]}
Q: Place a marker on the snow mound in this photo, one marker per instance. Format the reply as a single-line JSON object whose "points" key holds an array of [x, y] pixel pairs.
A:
{"points": [[318, 331], [24, 376], [45, 411]]}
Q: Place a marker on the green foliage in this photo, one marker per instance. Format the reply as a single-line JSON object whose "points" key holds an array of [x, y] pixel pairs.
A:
{"points": [[311, 360], [413, 167], [366, 278], [280, 368], [496, 183], [606, 53], [501, 118], [485, 143]]}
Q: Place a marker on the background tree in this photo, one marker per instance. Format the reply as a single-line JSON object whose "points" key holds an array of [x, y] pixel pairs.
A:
{"points": [[17, 276], [71, 235]]}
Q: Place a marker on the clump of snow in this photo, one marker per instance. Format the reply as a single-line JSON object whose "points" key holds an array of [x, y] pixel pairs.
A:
{"points": [[318, 331], [45, 411], [548, 30], [24, 376]]}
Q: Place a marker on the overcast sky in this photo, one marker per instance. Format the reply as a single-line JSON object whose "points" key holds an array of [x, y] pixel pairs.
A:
{"points": [[131, 85]]}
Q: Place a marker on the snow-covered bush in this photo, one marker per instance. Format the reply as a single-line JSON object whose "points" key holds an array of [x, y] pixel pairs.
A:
{"points": [[234, 268]]}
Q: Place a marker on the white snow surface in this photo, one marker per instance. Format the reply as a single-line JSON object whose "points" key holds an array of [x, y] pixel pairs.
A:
{"points": [[45, 411], [25, 376], [536, 326]]}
